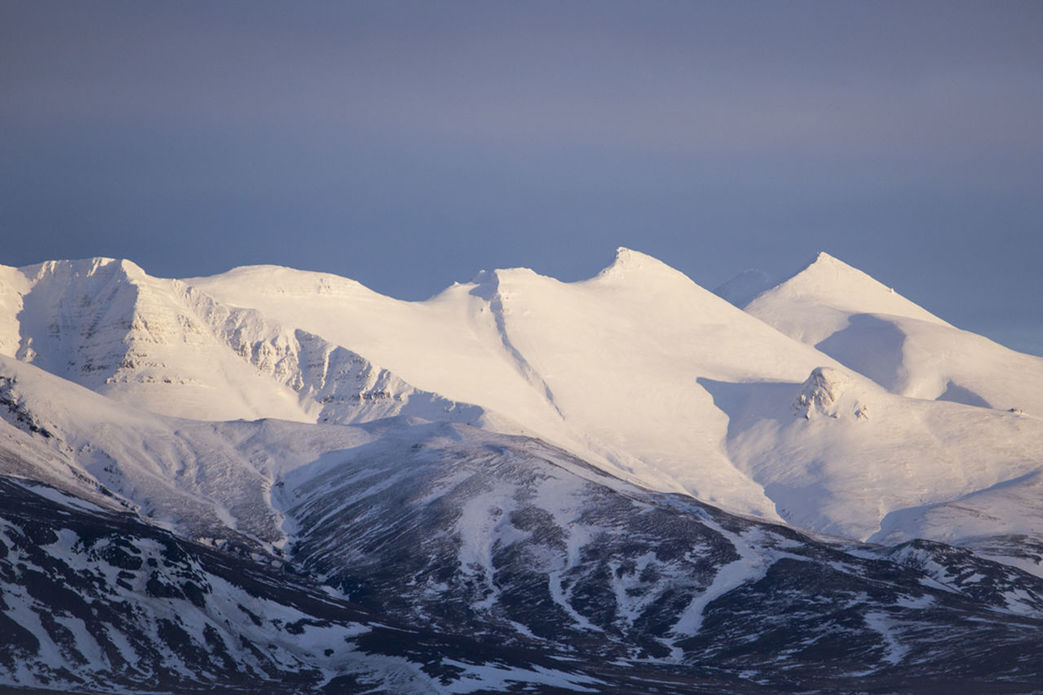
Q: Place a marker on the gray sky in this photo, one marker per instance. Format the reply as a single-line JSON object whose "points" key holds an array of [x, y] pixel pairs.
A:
{"points": [[410, 144]]}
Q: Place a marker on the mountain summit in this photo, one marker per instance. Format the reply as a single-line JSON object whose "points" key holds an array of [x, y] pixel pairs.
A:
{"points": [[823, 294], [874, 330]]}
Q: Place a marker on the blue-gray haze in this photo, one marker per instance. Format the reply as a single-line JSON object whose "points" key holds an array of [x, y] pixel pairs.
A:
{"points": [[410, 144]]}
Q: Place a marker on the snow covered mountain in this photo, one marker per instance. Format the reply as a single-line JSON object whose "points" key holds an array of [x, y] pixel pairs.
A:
{"points": [[638, 370], [163, 347], [644, 372], [874, 330], [606, 471]]}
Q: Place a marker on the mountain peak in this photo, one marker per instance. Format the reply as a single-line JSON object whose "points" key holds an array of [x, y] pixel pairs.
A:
{"points": [[826, 273], [629, 264], [830, 282], [628, 258], [84, 268], [823, 257], [241, 283], [825, 264]]}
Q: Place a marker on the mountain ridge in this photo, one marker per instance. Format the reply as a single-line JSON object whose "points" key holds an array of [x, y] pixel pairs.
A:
{"points": [[519, 484], [638, 370]]}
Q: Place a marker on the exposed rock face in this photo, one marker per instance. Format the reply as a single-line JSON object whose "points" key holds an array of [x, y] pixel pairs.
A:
{"points": [[100, 602], [827, 392]]}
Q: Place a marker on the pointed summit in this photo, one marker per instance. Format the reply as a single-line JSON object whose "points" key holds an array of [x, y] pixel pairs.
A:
{"points": [[830, 282], [826, 269], [871, 329], [825, 258], [634, 265], [629, 258]]}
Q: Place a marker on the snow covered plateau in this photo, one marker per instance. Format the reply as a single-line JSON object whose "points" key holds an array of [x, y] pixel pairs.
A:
{"points": [[274, 480]]}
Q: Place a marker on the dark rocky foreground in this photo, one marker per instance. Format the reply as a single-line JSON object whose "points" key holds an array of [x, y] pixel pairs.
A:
{"points": [[467, 563]]}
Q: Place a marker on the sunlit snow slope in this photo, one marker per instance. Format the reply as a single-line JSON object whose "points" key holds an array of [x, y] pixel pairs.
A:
{"points": [[607, 368], [811, 406], [874, 330], [162, 346]]}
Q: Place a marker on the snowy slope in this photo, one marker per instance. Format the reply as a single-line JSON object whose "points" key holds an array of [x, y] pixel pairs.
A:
{"points": [[642, 371], [621, 357], [161, 346], [13, 286], [538, 574], [108, 326], [607, 368], [907, 350], [840, 455], [210, 481], [962, 472], [451, 344], [97, 602], [451, 526], [1001, 521], [541, 443], [638, 371]]}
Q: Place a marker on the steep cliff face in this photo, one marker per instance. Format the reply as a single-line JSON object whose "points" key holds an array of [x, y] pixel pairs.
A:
{"points": [[162, 346]]}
